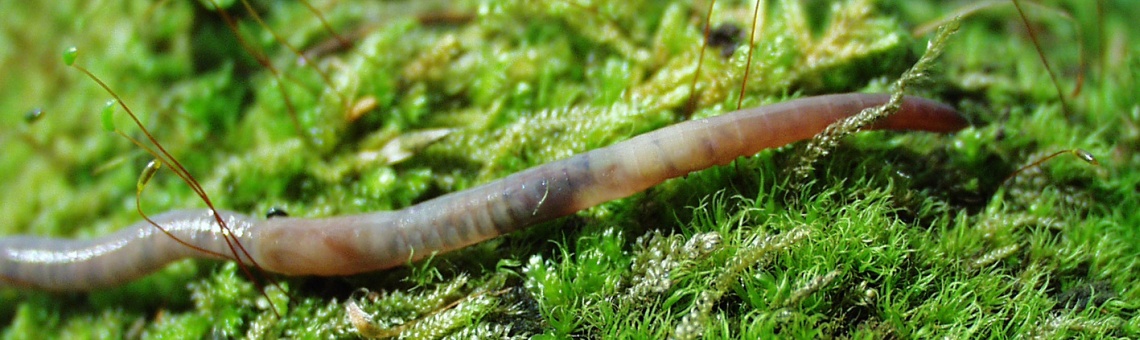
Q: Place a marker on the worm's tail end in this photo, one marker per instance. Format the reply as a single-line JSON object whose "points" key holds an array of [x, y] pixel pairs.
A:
{"points": [[924, 115]]}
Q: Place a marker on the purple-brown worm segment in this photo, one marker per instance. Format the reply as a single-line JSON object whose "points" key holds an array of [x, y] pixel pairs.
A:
{"points": [[344, 245]]}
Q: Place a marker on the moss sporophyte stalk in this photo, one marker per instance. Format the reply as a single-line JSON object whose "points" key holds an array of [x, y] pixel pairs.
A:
{"points": [[985, 232]]}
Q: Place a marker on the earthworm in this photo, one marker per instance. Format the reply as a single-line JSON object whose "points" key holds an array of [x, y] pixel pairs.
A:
{"points": [[351, 244]]}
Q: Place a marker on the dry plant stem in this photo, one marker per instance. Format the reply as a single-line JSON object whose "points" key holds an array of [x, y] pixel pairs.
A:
{"points": [[324, 75], [1080, 154], [231, 242], [351, 244], [751, 50], [1041, 54], [264, 61], [971, 9], [692, 103]]}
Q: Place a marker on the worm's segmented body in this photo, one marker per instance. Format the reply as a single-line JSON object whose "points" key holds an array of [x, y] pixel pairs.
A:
{"points": [[351, 244]]}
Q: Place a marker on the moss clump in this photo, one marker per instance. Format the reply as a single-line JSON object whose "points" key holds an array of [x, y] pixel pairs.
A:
{"points": [[890, 235]]}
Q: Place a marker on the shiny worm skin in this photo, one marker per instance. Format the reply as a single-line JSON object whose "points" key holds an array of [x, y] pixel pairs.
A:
{"points": [[344, 245]]}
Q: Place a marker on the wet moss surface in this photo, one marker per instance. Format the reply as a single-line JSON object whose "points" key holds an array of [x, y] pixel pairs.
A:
{"points": [[909, 235]]}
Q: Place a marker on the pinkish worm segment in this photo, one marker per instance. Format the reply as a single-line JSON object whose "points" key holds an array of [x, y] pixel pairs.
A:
{"points": [[352, 244]]}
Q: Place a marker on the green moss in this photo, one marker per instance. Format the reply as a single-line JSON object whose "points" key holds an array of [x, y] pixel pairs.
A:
{"points": [[890, 235]]}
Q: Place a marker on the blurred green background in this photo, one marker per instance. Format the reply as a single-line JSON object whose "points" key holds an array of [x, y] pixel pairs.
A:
{"points": [[893, 234]]}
